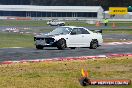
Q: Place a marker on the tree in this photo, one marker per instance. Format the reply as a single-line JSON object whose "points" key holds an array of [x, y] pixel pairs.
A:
{"points": [[104, 3]]}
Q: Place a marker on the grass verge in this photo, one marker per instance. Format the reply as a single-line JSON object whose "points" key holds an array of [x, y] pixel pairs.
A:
{"points": [[64, 74], [22, 23], [16, 40], [43, 23], [117, 31]]}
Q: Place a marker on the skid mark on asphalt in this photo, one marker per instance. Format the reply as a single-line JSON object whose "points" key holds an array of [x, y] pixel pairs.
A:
{"points": [[118, 43]]}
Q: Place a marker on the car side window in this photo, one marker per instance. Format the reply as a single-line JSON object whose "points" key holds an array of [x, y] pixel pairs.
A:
{"points": [[74, 31], [84, 31], [77, 31]]}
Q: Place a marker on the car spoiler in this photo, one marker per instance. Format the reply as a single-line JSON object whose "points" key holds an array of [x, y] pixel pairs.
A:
{"points": [[98, 31]]}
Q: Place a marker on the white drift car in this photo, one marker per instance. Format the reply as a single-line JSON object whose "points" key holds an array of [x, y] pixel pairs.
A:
{"points": [[56, 23], [69, 36]]}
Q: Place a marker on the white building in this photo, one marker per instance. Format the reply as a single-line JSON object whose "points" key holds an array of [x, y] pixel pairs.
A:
{"points": [[126, 17], [52, 11]]}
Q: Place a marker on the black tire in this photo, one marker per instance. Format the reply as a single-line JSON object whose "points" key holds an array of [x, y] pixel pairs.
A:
{"points": [[39, 47], [50, 24], [62, 24], [93, 44], [85, 81], [61, 44], [58, 24], [72, 47]]}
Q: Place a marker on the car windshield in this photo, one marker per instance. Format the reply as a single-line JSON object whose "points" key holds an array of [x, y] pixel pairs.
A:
{"points": [[61, 30]]}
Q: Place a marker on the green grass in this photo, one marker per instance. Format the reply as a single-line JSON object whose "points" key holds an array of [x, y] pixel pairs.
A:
{"points": [[117, 31], [64, 74], [84, 24], [16, 40], [79, 23], [39, 23], [121, 24], [22, 23]]}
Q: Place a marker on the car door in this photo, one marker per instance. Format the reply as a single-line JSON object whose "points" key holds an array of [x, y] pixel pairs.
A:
{"points": [[55, 22], [76, 38], [87, 37]]}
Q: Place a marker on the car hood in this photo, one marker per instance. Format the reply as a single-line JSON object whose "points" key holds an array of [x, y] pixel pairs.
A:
{"points": [[47, 36]]}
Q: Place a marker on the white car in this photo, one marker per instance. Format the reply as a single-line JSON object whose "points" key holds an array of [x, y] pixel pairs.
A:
{"points": [[56, 23], [69, 36]]}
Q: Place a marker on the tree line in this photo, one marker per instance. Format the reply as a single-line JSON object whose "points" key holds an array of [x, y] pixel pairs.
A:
{"points": [[104, 3]]}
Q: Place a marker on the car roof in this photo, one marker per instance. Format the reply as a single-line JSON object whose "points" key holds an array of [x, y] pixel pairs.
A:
{"points": [[72, 26]]}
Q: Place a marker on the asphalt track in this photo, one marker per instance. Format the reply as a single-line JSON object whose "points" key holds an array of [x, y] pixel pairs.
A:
{"points": [[31, 53]]}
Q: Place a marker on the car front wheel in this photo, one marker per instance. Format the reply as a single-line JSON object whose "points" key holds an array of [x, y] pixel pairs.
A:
{"points": [[39, 47], [72, 47], [61, 44], [62, 24]]}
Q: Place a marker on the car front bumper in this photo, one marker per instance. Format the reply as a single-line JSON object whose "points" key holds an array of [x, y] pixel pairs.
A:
{"points": [[46, 42]]}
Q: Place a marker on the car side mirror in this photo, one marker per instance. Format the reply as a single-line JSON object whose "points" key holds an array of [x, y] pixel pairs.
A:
{"points": [[73, 33]]}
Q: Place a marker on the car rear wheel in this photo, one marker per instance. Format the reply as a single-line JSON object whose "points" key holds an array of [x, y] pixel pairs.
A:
{"points": [[61, 44], [93, 44], [39, 47]]}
